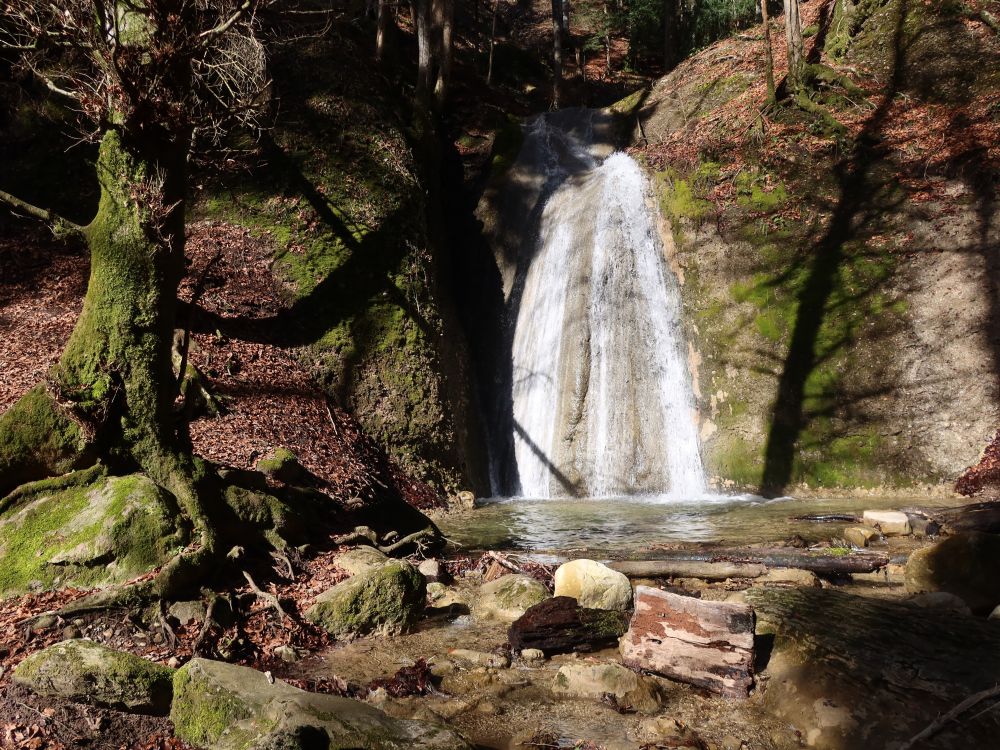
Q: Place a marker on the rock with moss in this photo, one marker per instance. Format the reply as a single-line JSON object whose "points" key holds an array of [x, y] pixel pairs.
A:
{"points": [[964, 565], [630, 690], [86, 672], [385, 600], [284, 466], [361, 560], [221, 706], [105, 532], [508, 597]]}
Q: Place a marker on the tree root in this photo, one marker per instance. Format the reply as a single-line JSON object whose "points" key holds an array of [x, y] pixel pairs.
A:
{"points": [[266, 596], [54, 484], [365, 535], [939, 723]]}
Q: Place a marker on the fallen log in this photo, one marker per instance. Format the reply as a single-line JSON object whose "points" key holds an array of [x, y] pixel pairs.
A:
{"points": [[822, 562], [704, 643], [713, 571], [983, 517]]}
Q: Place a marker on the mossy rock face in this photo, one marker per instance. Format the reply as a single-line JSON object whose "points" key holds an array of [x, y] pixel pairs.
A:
{"points": [[86, 672], [386, 599], [509, 597], [965, 565], [98, 534], [222, 706]]}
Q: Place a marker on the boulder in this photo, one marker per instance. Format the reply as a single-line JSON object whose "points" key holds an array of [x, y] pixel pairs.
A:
{"points": [[221, 706], [889, 522], [964, 565], [593, 585], [704, 643], [630, 690], [97, 534], [508, 597], [860, 536], [386, 600], [360, 560], [433, 570], [86, 672], [560, 625]]}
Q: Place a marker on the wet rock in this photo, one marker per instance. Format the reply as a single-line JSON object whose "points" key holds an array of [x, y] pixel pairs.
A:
{"points": [[480, 658], [533, 656], [388, 599], [889, 522], [86, 672], [221, 706], [508, 597], [664, 731], [704, 643], [940, 600], [360, 560], [860, 536], [964, 565], [593, 585], [560, 625], [788, 577], [432, 570], [629, 689]]}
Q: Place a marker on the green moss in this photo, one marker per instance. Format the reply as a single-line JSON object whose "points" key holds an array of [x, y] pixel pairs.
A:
{"points": [[109, 531], [387, 599], [627, 106], [36, 440], [201, 715], [606, 623], [507, 142]]}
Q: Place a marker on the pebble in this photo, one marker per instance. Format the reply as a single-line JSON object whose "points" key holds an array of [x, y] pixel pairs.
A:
{"points": [[859, 536], [536, 655], [173, 662], [480, 658], [70, 632], [286, 653]]}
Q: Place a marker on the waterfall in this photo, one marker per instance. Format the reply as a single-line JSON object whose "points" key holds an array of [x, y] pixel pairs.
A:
{"points": [[601, 398]]}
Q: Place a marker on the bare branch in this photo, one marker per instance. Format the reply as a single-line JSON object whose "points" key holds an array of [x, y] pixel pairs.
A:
{"points": [[223, 27], [59, 225]]}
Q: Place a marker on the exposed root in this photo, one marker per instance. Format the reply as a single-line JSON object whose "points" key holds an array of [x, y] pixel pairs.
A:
{"points": [[364, 535], [54, 484], [266, 596]]}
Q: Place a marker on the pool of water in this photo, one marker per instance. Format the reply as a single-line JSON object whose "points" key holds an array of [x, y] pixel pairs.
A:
{"points": [[618, 527]]}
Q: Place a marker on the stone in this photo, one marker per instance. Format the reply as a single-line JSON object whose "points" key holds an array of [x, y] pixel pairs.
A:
{"points": [[788, 577], [995, 614], [593, 585], [631, 690], [286, 653], [86, 672], [704, 643], [889, 522], [667, 732], [508, 597], [386, 600], [964, 564], [188, 612], [560, 625], [432, 570], [360, 560], [923, 527], [90, 536], [480, 658], [940, 600], [533, 655], [220, 706], [860, 536]]}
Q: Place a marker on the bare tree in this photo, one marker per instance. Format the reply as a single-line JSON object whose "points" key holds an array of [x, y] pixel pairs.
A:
{"points": [[386, 24], [150, 76], [493, 41], [768, 52], [444, 16], [793, 38], [557, 34]]}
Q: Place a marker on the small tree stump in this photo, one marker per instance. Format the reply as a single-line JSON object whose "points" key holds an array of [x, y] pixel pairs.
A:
{"points": [[703, 643]]}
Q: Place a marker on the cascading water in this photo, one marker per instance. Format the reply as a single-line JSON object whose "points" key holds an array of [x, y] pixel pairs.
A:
{"points": [[601, 398]]}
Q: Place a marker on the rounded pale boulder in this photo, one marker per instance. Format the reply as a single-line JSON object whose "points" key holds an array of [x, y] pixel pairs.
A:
{"points": [[593, 585]]}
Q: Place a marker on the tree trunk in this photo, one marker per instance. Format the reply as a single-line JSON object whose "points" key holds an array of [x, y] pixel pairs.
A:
{"points": [[768, 53], [493, 41], [444, 21], [556, 51], [793, 39], [421, 11], [671, 38], [385, 23]]}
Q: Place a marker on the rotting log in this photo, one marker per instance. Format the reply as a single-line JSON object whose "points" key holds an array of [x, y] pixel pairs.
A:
{"points": [[704, 643], [559, 625], [983, 517], [822, 562]]}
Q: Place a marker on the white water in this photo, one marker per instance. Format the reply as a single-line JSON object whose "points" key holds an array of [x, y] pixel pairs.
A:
{"points": [[602, 399]]}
